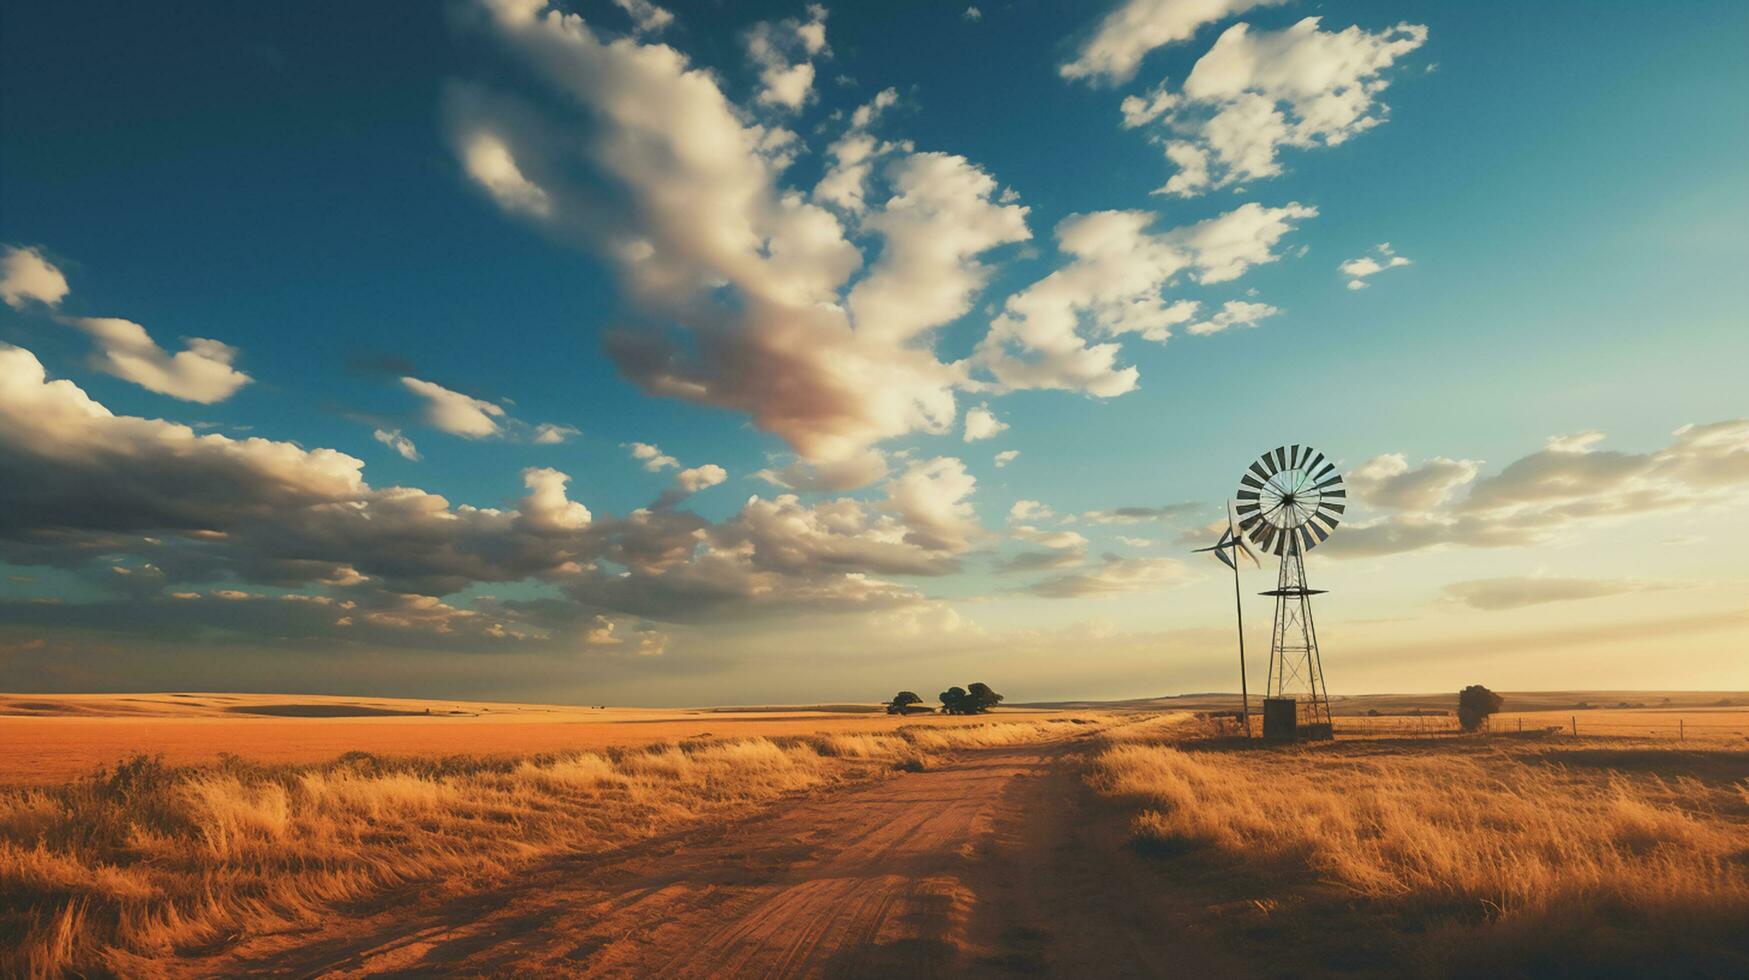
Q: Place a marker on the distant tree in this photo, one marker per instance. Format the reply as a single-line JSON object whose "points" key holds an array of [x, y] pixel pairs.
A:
{"points": [[953, 701], [1475, 704], [982, 698], [902, 702], [969, 701]]}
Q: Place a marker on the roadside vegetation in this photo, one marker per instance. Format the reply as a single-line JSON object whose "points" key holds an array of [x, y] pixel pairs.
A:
{"points": [[112, 873], [1543, 856]]}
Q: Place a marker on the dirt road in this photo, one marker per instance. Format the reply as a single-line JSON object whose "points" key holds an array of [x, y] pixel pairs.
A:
{"points": [[997, 863]]}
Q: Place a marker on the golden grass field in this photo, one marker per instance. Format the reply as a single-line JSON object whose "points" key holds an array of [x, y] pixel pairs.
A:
{"points": [[118, 871], [56, 737], [1502, 854], [271, 825]]}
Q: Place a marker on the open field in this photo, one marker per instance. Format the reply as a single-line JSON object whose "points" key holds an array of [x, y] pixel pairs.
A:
{"points": [[50, 738], [121, 871], [843, 843], [1538, 855]]}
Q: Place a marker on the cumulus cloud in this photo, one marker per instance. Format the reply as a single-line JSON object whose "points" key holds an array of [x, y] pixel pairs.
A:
{"points": [[1006, 456], [454, 412], [1255, 92], [1357, 270], [736, 280], [1136, 27], [200, 372], [1233, 313], [1568, 484], [973, 15], [845, 183], [393, 439], [652, 456], [26, 277], [551, 434], [83, 488], [1062, 331], [1517, 592], [783, 51], [646, 16], [981, 423]]}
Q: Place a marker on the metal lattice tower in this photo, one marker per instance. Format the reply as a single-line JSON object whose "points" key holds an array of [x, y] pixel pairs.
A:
{"points": [[1295, 670], [1289, 502]]}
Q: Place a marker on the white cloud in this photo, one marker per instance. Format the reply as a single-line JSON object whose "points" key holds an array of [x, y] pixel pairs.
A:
{"points": [[393, 439], [845, 183], [785, 82], [653, 458], [1136, 27], [1234, 313], [200, 372], [646, 16], [488, 161], [1029, 512], [941, 216], [1113, 285], [551, 434], [82, 487], [454, 412], [1257, 91], [756, 279], [1567, 485], [973, 15], [932, 498], [981, 423], [1006, 456], [697, 478], [1357, 270], [25, 277]]}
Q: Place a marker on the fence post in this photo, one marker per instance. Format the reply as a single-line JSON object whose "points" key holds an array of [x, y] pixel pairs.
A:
{"points": [[1681, 736], [1575, 719]]}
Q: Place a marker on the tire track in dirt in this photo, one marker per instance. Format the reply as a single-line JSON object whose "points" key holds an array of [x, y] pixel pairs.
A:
{"points": [[993, 864]]}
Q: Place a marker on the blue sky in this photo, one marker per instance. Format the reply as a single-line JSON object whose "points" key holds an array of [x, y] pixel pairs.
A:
{"points": [[294, 182]]}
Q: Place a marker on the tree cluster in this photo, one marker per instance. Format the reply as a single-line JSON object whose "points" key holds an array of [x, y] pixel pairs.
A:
{"points": [[974, 699]]}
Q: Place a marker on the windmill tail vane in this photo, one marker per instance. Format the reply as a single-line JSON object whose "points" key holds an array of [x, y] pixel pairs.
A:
{"points": [[1228, 548]]}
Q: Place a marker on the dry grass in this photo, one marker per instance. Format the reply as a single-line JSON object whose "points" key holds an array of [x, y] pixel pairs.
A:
{"points": [[115, 872], [1539, 857]]}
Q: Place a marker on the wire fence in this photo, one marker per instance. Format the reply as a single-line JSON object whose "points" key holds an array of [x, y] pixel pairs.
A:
{"points": [[1709, 726]]}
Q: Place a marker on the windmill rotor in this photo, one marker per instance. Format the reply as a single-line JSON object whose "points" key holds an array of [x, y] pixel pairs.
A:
{"points": [[1290, 498]]}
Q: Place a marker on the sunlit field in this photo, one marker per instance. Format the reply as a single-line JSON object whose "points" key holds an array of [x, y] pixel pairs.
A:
{"points": [[57, 737], [116, 871], [1538, 854]]}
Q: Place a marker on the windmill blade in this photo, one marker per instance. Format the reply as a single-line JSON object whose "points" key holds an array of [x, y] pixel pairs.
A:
{"points": [[1258, 469], [1293, 458], [1250, 481], [1280, 458], [1306, 539], [1225, 558]]}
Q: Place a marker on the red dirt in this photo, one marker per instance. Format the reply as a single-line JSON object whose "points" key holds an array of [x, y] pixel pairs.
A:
{"points": [[997, 863]]}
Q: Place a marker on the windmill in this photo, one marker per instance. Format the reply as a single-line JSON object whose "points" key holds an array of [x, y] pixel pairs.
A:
{"points": [[1228, 549], [1289, 502]]}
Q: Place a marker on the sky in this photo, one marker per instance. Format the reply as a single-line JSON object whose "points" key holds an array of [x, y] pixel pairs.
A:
{"points": [[602, 351]]}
